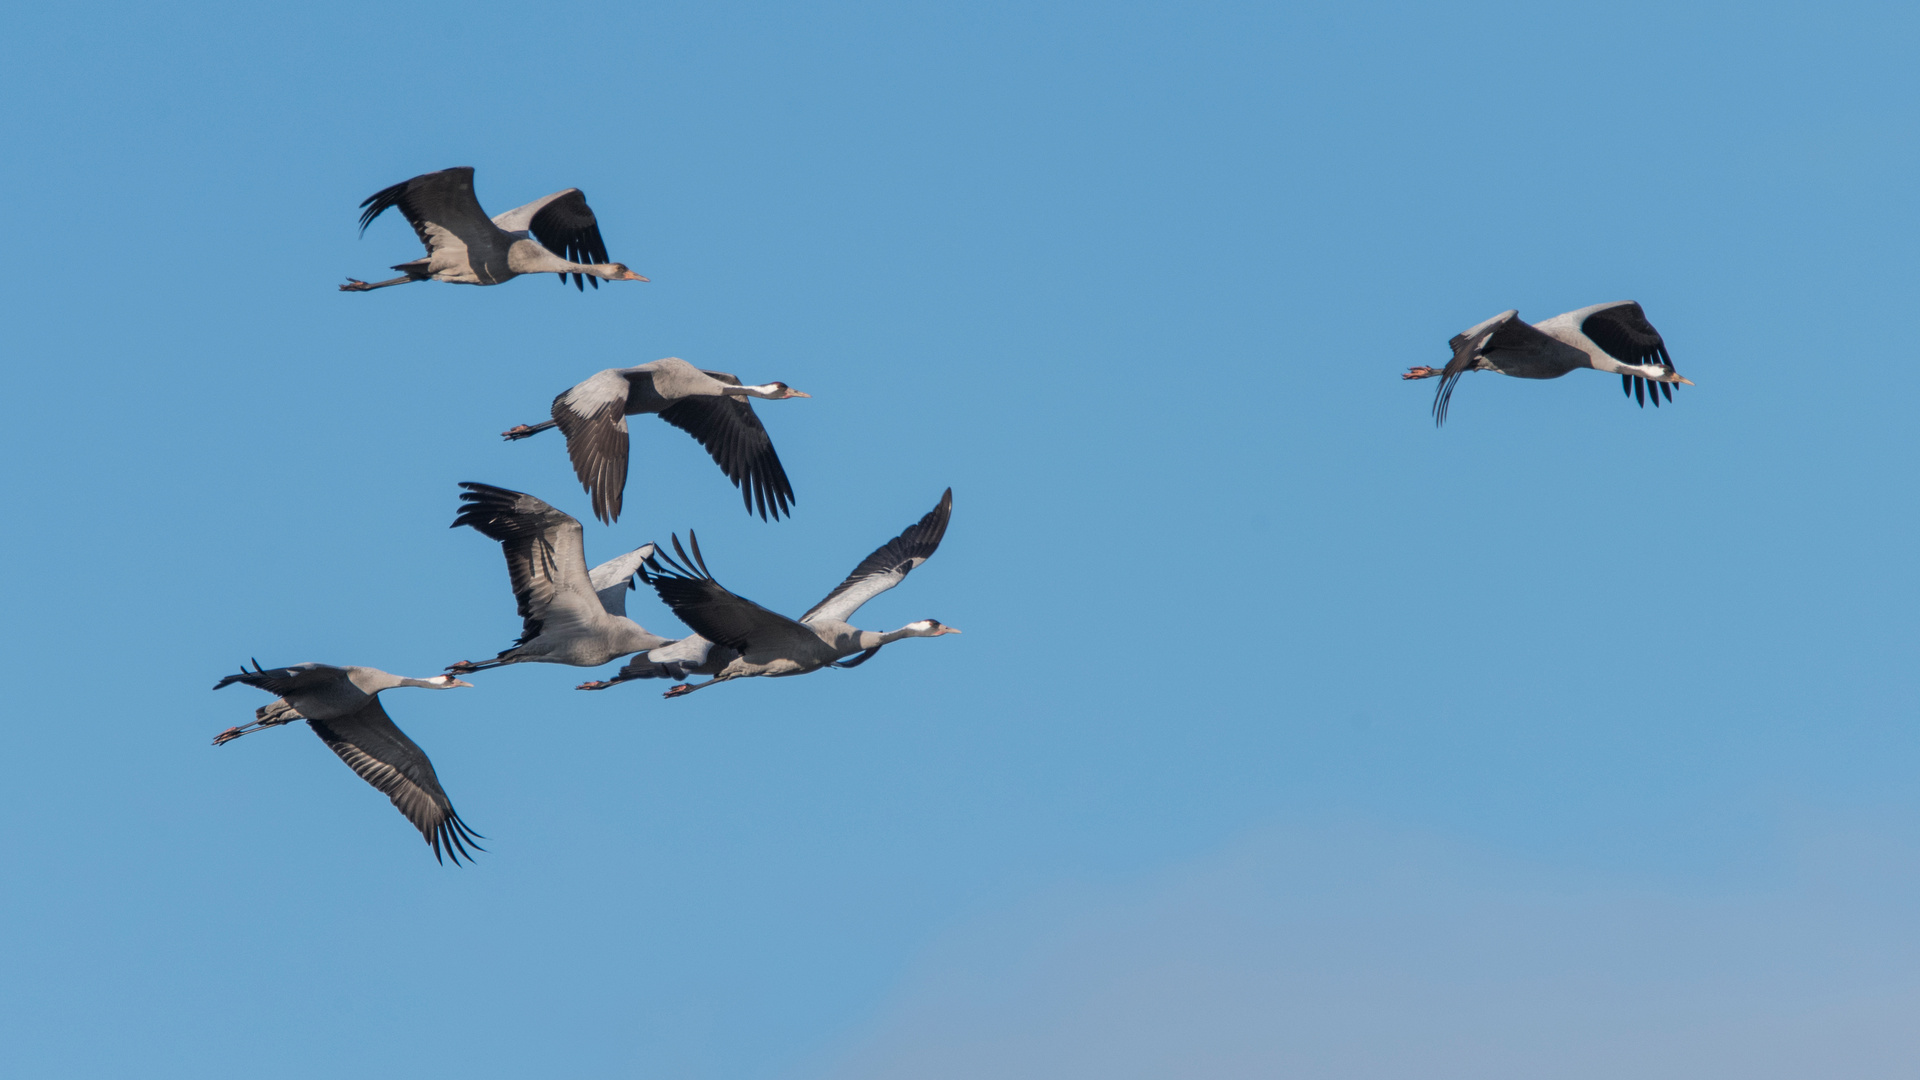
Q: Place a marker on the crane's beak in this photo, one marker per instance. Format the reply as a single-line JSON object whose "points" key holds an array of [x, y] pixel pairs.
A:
{"points": [[630, 276], [946, 630], [796, 393], [460, 682], [1683, 378]]}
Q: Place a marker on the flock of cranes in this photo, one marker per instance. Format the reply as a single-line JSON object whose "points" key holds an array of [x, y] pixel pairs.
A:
{"points": [[576, 615], [571, 614]]}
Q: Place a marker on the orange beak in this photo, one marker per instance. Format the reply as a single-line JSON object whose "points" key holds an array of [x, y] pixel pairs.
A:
{"points": [[1683, 378], [796, 393], [460, 682], [631, 276], [947, 630]]}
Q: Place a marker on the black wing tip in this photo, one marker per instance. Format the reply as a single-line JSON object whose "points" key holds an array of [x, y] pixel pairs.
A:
{"points": [[667, 568], [378, 203], [932, 527], [485, 503], [453, 835], [243, 676]]}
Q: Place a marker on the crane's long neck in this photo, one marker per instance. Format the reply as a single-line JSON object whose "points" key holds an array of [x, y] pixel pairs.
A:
{"points": [[438, 682], [872, 640], [529, 257], [773, 391]]}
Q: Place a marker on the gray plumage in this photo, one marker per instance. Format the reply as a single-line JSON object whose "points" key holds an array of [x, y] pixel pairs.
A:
{"points": [[676, 660], [1614, 337], [770, 644], [712, 406], [342, 706], [557, 234], [570, 615]]}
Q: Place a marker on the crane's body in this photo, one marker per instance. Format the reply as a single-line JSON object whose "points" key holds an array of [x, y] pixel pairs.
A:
{"points": [[342, 706], [1614, 337], [712, 406], [771, 645], [555, 234], [570, 615]]}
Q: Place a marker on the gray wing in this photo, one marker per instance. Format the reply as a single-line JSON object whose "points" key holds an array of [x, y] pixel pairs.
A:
{"points": [[736, 440], [612, 579], [520, 218], [286, 680], [713, 612], [564, 224], [593, 417], [886, 567], [1623, 332], [1503, 331], [546, 561], [375, 748], [440, 206]]}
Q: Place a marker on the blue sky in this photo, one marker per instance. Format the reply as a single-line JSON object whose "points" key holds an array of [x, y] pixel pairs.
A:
{"points": [[1288, 736]]}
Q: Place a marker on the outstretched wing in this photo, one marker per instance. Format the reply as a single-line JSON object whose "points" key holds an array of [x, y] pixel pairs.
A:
{"points": [[375, 748], [545, 558], [1503, 331], [564, 224], [612, 579], [886, 567], [739, 444], [440, 206], [285, 680], [1623, 332], [593, 417], [706, 605]]}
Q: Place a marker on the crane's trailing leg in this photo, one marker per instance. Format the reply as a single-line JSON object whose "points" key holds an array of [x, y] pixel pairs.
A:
{"points": [[233, 733], [283, 715], [264, 717], [597, 684], [356, 285], [1422, 372], [521, 431], [687, 688]]}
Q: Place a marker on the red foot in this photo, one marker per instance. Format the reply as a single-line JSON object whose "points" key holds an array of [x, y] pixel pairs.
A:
{"points": [[355, 285], [683, 688], [595, 685], [227, 736], [517, 431], [1422, 372], [463, 667]]}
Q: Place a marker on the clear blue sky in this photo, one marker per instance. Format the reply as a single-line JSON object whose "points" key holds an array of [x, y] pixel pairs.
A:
{"points": [[1288, 736]]}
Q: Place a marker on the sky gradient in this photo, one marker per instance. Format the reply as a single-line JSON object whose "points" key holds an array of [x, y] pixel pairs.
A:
{"points": [[1287, 734]]}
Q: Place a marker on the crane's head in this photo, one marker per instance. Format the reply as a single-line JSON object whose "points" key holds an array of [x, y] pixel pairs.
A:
{"points": [[930, 628], [782, 391], [1663, 373], [446, 682], [617, 272]]}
